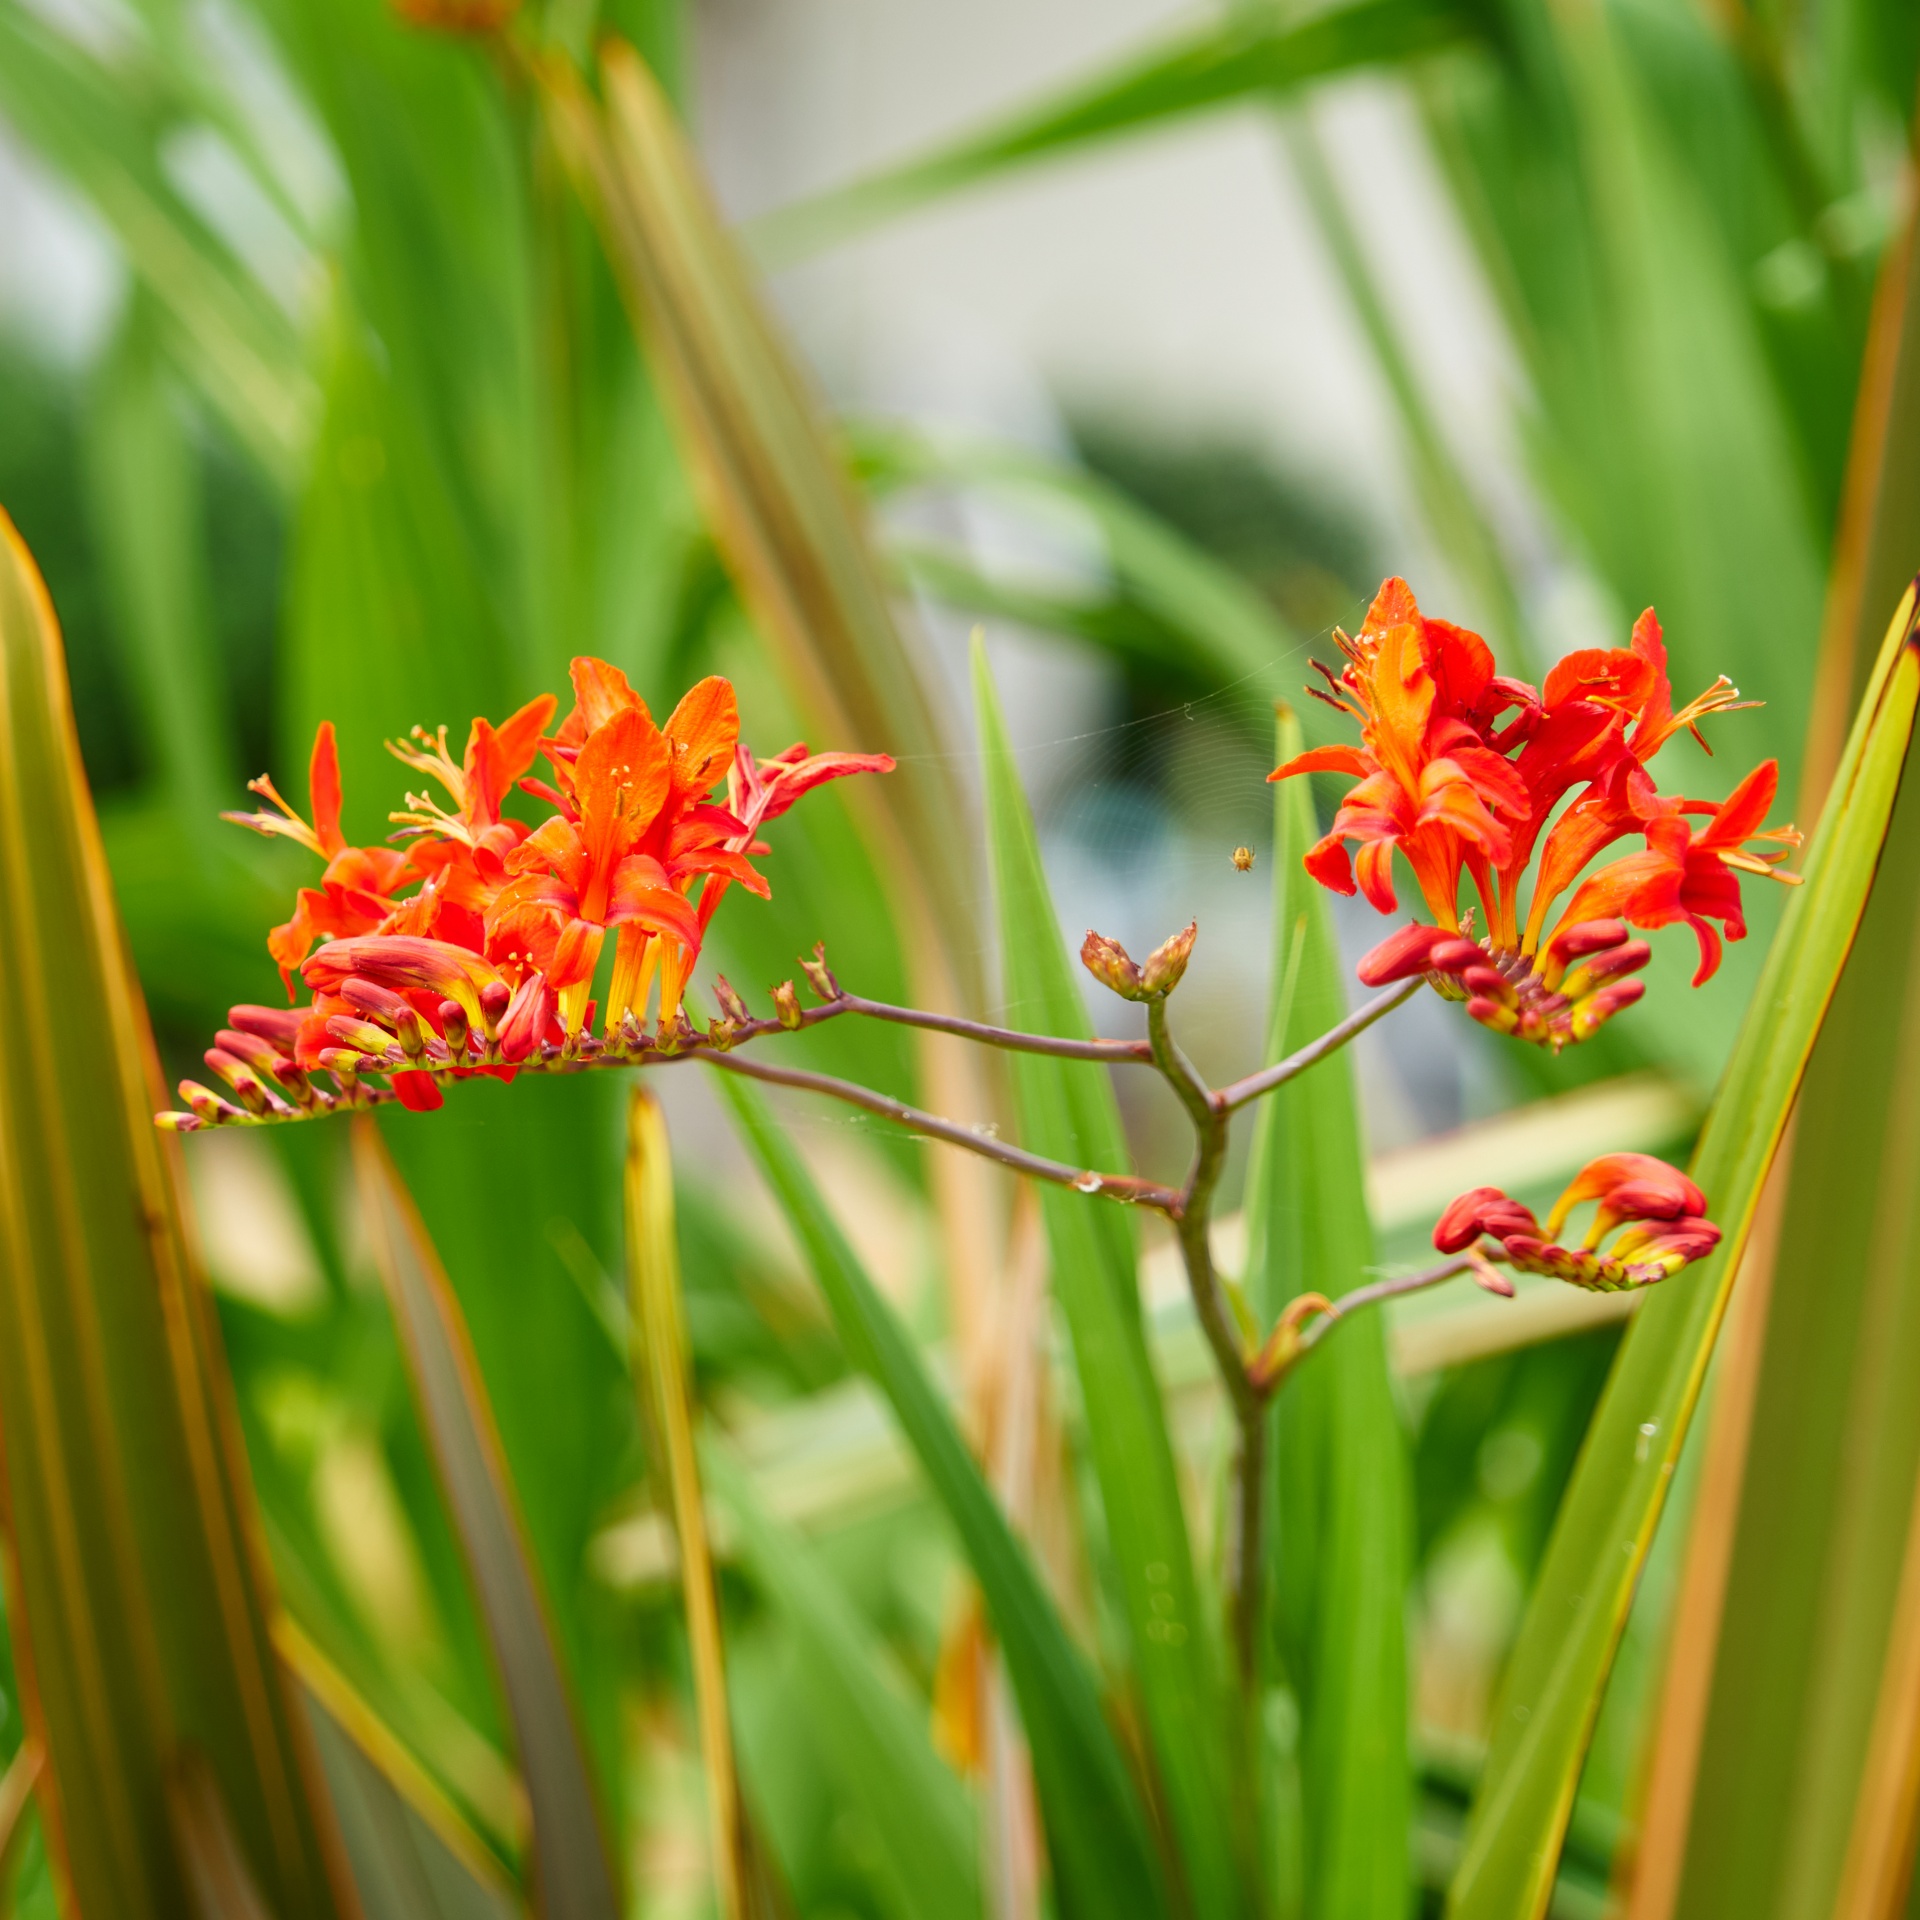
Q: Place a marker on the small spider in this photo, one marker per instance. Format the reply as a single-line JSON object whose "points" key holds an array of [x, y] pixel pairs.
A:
{"points": [[1243, 859]]}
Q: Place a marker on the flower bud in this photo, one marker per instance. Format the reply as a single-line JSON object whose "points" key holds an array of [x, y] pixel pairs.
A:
{"points": [[731, 1004], [1110, 963], [1405, 953], [818, 977], [786, 1003], [1168, 961]]}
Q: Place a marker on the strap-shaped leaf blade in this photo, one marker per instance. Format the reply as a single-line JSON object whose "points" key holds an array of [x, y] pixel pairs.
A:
{"points": [[1256, 53], [574, 1875], [1340, 1523], [1068, 1112], [1552, 1691], [1101, 1851], [137, 1597], [871, 1735]]}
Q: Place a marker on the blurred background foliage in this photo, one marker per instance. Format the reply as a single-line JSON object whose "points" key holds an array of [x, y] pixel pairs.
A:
{"points": [[317, 398]]}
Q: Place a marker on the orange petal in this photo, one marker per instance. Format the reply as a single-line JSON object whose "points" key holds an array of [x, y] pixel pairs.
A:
{"points": [[323, 787], [621, 781], [600, 690], [703, 731]]}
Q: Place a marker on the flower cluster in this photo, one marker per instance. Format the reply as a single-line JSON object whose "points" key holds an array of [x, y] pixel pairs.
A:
{"points": [[1663, 1212], [472, 941], [1461, 770]]}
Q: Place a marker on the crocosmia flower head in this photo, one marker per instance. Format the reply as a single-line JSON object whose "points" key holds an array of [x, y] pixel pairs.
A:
{"points": [[472, 943], [1462, 772], [1656, 1215]]}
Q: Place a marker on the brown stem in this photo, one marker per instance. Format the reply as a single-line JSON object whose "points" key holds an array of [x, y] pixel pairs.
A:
{"points": [[1111, 1186], [1237, 1094], [1114, 1052]]}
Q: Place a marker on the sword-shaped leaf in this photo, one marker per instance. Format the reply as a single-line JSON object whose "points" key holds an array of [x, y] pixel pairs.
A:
{"points": [[1257, 53], [574, 1877], [1340, 1523], [137, 1597], [1553, 1686], [1068, 1112], [1098, 1838]]}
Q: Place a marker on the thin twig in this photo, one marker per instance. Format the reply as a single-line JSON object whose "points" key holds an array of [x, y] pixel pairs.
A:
{"points": [[1114, 1052], [1112, 1186], [1254, 1085]]}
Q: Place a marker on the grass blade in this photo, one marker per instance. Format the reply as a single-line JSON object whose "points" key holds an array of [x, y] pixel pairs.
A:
{"points": [[136, 1591], [662, 1364], [1559, 1667], [1256, 53], [1102, 1855], [1341, 1521], [573, 1864], [1070, 1113], [873, 1738]]}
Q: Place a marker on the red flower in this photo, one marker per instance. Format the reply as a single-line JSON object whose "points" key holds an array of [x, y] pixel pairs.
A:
{"points": [[356, 891], [1663, 1212], [1463, 771]]}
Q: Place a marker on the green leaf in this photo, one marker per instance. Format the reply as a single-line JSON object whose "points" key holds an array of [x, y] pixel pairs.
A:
{"points": [[1068, 1112], [104, 129], [663, 1368], [873, 1737], [413, 1857], [1102, 1856], [1255, 53], [1341, 1515], [1174, 601], [1790, 1789], [137, 1600], [775, 491], [573, 1861], [1552, 1690]]}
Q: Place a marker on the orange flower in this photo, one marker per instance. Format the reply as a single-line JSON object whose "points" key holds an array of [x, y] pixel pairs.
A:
{"points": [[491, 959], [356, 891], [1663, 1212], [1462, 771]]}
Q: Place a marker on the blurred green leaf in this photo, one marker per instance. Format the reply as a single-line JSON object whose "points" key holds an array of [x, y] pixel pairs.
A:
{"points": [[1173, 605], [102, 127], [1102, 1856], [573, 1863], [663, 1367], [138, 1606], [1554, 1682], [1255, 52], [873, 1737], [772, 485], [1340, 1519], [1069, 1113], [412, 1856]]}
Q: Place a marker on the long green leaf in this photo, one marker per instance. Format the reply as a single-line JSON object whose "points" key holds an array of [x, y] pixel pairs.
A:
{"points": [[573, 1862], [1341, 1513], [1102, 1856], [1785, 1771], [104, 128], [1553, 1685], [137, 1598], [1069, 1113], [412, 1855], [1185, 604], [875, 1741], [773, 487], [1251, 54], [663, 1366]]}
